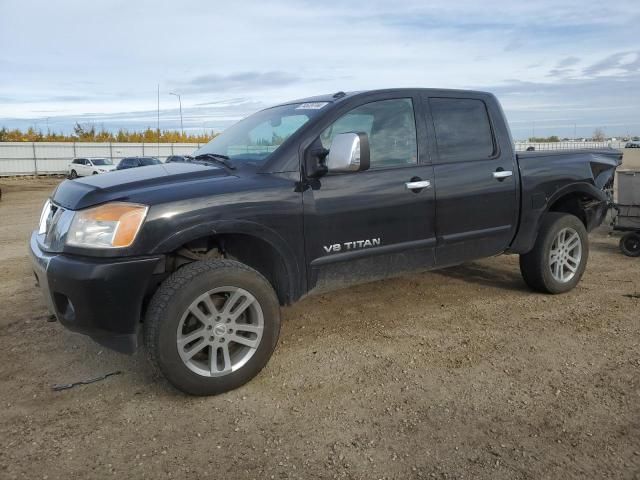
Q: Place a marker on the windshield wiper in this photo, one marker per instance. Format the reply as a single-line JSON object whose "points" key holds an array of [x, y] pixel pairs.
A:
{"points": [[218, 158]]}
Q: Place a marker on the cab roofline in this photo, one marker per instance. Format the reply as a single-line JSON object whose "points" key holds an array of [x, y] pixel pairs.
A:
{"points": [[341, 96]]}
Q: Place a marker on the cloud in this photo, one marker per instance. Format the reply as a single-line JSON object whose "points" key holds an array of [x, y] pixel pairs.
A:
{"points": [[227, 58], [514, 44], [560, 72], [216, 117], [243, 81], [229, 101], [580, 104], [628, 62], [567, 62]]}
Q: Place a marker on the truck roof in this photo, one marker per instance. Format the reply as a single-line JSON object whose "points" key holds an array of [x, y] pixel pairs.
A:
{"points": [[339, 96]]}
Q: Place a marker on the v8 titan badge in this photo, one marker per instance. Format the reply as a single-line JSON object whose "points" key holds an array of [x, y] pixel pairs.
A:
{"points": [[355, 245]]}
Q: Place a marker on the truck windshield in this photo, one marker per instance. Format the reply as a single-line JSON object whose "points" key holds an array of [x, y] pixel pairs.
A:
{"points": [[259, 135]]}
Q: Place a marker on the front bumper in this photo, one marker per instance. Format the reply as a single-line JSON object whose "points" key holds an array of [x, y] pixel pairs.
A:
{"points": [[99, 297]]}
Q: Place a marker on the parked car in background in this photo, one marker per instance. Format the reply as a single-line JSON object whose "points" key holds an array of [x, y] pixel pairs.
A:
{"points": [[134, 162], [81, 167], [633, 144], [178, 159]]}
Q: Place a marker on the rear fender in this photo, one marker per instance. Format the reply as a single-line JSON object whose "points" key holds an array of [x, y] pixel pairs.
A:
{"points": [[593, 211]]}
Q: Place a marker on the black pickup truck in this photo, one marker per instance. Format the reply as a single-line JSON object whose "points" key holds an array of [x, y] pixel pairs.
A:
{"points": [[312, 195]]}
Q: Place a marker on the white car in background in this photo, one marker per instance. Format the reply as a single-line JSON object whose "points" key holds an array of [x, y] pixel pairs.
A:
{"points": [[81, 167]]}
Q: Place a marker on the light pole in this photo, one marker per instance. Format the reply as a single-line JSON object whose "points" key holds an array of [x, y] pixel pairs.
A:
{"points": [[179, 103]]}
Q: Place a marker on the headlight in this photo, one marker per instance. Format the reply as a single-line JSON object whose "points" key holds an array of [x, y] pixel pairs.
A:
{"points": [[112, 225], [46, 211]]}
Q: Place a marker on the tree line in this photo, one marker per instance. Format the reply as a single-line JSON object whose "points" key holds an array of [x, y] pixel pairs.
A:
{"points": [[84, 133]]}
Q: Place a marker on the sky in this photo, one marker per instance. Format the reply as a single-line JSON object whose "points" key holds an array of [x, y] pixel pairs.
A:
{"points": [[558, 67]]}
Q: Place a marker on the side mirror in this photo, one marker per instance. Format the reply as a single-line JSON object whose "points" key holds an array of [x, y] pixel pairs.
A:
{"points": [[349, 152]]}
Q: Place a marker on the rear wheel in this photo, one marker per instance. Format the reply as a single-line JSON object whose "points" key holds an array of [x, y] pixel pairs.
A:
{"points": [[630, 244], [559, 257], [212, 326], [73, 174]]}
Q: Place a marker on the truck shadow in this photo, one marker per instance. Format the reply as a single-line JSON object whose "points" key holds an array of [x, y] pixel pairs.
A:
{"points": [[485, 275], [608, 244]]}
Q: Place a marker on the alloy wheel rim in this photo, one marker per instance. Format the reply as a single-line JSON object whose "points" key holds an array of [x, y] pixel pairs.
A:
{"points": [[565, 255], [220, 331]]}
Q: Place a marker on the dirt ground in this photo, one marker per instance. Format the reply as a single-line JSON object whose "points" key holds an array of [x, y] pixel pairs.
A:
{"points": [[461, 373]]}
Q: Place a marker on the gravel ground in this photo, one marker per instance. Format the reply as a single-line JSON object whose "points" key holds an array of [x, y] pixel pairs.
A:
{"points": [[461, 373]]}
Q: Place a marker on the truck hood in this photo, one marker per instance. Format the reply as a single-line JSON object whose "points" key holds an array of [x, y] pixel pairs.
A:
{"points": [[134, 184]]}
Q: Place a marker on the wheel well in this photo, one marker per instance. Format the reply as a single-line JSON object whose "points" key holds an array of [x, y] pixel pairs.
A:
{"points": [[575, 203], [252, 251]]}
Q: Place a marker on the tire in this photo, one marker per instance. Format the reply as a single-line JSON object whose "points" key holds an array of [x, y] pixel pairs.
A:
{"points": [[538, 268], [169, 318], [630, 244], [94, 173], [73, 174]]}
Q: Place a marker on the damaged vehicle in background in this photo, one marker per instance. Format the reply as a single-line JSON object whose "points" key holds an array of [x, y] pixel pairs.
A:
{"points": [[196, 258]]}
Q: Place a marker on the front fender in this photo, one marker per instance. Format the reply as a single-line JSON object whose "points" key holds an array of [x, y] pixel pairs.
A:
{"points": [[245, 227]]}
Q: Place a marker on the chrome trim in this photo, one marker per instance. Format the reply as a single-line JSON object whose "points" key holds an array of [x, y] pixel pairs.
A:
{"points": [[344, 153], [502, 174], [44, 218], [419, 184]]}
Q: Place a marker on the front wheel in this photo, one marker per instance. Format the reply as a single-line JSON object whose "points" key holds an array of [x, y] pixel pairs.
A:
{"points": [[73, 174], [559, 257], [630, 244], [212, 326]]}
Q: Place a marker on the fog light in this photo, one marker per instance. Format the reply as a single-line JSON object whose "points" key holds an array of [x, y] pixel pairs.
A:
{"points": [[64, 307]]}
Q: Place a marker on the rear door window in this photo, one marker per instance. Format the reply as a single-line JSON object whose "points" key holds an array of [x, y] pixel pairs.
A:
{"points": [[463, 130]]}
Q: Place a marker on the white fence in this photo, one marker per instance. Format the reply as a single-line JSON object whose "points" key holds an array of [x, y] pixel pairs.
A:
{"points": [[35, 158], [522, 146]]}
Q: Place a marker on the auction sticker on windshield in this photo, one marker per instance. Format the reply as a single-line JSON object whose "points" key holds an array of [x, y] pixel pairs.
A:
{"points": [[311, 106]]}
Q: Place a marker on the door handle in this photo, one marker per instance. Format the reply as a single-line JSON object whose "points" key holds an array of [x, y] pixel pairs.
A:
{"points": [[418, 184], [502, 174]]}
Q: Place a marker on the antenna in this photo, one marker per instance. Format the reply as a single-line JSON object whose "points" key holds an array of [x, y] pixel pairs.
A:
{"points": [[158, 120]]}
